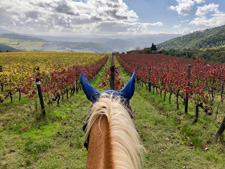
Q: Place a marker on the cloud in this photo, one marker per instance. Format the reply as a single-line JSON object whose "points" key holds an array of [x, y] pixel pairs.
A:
{"points": [[176, 26], [202, 11], [121, 27], [185, 6], [182, 30], [217, 18], [68, 16], [155, 24], [199, 1]]}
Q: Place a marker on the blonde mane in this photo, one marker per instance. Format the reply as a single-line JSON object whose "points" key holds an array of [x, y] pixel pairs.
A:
{"points": [[126, 147]]}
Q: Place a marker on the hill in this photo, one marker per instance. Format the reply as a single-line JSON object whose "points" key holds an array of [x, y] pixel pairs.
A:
{"points": [[30, 43], [13, 36], [126, 43], [103, 44], [214, 37], [75, 46], [4, 48], [81, 43]]}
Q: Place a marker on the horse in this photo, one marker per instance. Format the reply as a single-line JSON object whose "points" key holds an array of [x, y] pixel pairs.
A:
{"points": [[113, 141]]}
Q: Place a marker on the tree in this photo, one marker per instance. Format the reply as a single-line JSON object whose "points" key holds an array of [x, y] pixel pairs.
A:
{"points": [[153, 48], [147, 50], [137, 51]]}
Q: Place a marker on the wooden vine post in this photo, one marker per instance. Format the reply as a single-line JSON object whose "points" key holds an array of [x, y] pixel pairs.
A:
{"points": [[10, 93], [221, 129], [112, 77], [38, 83], [76, 86], [1, 83], [186, 99], [177, 99], [222, 83], [149, 83]]}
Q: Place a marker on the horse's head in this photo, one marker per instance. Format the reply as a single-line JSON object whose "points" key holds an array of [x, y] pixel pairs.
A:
{"points": [[113, 140], [92, 94]]}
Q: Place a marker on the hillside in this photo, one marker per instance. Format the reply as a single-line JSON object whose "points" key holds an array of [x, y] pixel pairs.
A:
{"points": [[29, 43], [214, 37], [82, 43], [13, 36], [4, 48], [75, 46]]}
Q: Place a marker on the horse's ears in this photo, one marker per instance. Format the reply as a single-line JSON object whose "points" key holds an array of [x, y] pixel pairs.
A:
{"points": [[91, 93], [128, 91]]}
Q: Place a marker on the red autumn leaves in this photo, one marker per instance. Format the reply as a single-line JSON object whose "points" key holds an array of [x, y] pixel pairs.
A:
{"points": [[170, 74], [57, 82]]}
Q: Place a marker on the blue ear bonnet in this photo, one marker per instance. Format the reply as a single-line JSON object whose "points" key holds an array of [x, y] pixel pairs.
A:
{"points": [[92, 94]]}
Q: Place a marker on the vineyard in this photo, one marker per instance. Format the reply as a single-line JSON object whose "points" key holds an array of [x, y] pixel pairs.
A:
{"points": [[59, 73], [201, 82], [170, 95]]}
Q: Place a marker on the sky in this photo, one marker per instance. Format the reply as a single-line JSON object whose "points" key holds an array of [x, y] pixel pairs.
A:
{"points": [[110, 17]]}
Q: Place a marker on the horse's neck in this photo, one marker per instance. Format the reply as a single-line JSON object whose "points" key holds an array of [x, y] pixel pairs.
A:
{"points": [[100, 148]]}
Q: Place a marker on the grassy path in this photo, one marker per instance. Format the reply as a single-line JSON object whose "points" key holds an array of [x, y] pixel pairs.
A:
{"points": [[57, 140]]}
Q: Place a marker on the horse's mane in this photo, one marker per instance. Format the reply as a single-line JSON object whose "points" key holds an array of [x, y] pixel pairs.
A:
{"points": [[126, 147]]}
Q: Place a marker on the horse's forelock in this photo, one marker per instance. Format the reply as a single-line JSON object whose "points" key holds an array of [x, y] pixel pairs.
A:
{"points": [[126, 146]]}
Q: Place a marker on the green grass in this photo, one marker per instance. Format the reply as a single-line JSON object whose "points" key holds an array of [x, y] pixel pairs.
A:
{"points": [[5, 41], [56, 141], [27, 45]]}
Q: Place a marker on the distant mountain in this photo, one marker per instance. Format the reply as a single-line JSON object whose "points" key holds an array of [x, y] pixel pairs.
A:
{"points": [[98, 44], [199, 39], [30, 43], [147, 40], [21, 37], [4, 31], [117, 44], [75, 46], [4, 48], [121, 43]]}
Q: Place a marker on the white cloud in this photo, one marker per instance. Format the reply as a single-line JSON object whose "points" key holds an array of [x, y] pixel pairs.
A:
{"points": [[199, 1], [155, 24], [179, 29], [125, 28], [185, 6], [177, 26], [182, 31], [68, 16], [217, 18], [203, 10]]}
